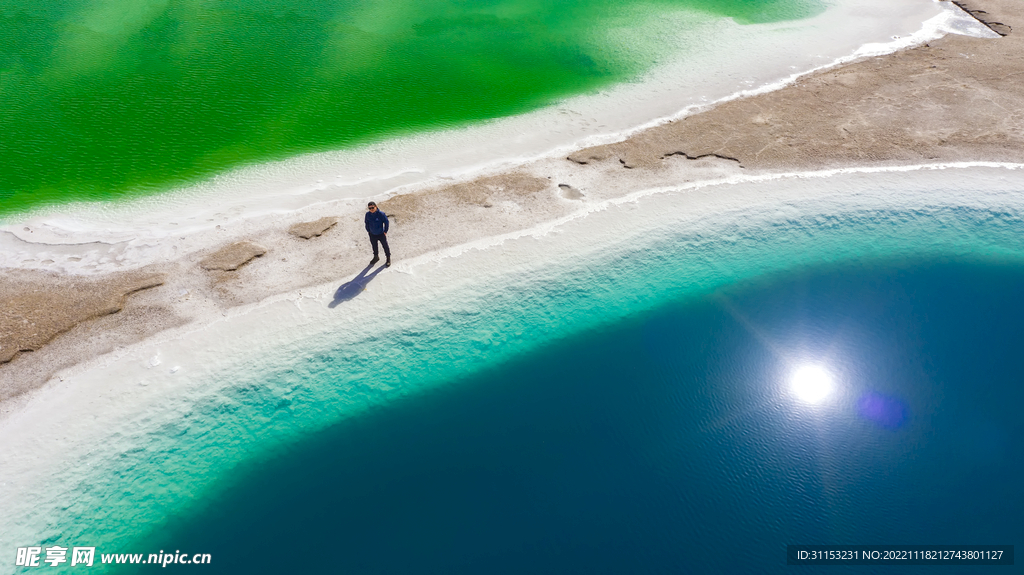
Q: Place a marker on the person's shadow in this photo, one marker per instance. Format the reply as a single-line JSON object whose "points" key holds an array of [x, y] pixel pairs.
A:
{"points": [[355, 286]]}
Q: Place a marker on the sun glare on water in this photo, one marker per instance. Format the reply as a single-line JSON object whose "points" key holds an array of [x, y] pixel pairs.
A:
{"points": [[811, 384]]}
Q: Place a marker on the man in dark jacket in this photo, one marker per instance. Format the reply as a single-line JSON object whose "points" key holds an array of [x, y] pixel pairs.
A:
{"points": [[377, 226]]}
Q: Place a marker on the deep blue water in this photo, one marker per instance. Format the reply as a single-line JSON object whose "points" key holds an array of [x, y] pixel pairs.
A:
{"points": [[669, 443]]}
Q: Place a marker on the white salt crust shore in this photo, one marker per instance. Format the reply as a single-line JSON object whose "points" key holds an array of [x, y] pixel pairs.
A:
{"points": [[59, 438], [97, 239], [78, 432]]}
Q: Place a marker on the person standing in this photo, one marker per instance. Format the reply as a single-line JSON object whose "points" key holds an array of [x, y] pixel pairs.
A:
{"points": [[377, 226]]}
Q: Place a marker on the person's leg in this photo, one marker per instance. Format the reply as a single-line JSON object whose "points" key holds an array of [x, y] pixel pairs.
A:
{"points": [[373, 243], [384, 242]]}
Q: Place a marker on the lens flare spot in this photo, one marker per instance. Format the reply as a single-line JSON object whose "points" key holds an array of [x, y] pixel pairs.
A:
{"points": [[887, 412], [811, 383]]}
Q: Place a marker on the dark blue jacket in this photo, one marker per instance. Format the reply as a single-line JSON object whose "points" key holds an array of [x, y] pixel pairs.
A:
{"points": [[376, 222]]}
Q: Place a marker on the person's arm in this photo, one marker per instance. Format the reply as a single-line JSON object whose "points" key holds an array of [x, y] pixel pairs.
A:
{"points": [[387, 224], [366, 222]]}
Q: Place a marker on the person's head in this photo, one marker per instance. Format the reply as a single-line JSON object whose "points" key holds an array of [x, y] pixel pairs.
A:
{"points": [[371, 206]]}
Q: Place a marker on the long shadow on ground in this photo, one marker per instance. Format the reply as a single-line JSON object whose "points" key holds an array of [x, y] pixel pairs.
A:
{"points": [[355, 286]]}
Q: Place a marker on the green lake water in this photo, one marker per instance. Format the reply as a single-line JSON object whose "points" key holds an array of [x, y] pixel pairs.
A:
{"points": [[105, 99]]}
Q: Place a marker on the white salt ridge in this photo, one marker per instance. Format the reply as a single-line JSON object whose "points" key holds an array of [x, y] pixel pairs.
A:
{"points": [[129, 234], [594, 207]]}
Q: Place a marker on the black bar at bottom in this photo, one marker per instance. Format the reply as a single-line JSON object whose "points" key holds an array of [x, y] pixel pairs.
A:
{"points": [[899, 554]]}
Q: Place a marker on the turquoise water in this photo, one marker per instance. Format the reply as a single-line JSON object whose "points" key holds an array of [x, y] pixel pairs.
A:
{"points": [[667, 442], [204, 443], [108, 99]]}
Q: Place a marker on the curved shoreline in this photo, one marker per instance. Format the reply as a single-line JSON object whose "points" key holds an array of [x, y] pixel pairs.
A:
{"points": [[192, 401], [833, 109], [679, 85]]}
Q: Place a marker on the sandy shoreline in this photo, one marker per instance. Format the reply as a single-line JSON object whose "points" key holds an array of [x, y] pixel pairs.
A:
{"points": [[956, 99]]}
